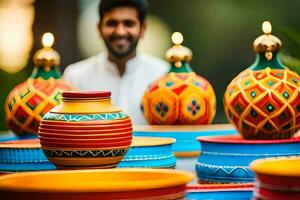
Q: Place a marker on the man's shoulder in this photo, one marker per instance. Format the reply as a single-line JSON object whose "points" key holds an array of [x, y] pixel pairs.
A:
{"points": [[84, 65]]}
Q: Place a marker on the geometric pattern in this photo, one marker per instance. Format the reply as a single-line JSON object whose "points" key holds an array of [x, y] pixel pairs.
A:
{"points": [[85, 153], [223, 174], [29, 101], [264, 104], [87, 117], [179, 98]]}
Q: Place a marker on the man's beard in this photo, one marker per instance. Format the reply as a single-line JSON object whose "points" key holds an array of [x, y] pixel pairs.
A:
{"points": [[133, 42]]}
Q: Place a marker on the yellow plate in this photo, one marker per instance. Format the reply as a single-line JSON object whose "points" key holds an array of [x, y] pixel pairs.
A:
{"points": [[151, 141], [283, 166], [103, 180]]}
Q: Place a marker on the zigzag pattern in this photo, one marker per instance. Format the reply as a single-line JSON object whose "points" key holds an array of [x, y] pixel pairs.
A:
{"points": [[231, 171], [78, 118], [80, 153]]}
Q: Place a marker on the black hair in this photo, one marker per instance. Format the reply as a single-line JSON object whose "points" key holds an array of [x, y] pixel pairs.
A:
{"points": [[140, 5]]}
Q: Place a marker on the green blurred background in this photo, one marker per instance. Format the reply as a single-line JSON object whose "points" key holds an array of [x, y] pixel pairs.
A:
{"points": [[219, 32]]}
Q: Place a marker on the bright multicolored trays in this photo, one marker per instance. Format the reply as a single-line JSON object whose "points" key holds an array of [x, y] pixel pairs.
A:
{"points": [[225, 159], [150, 152], [277, 178], [23, 155], [112, 184], [220, 191], [85, 131], [186, 148]]}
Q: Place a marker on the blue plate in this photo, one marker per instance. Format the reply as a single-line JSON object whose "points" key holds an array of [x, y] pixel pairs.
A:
{"points": [[185, 136], [220, 192], [23, 155], [225, 159], [150, 152]]}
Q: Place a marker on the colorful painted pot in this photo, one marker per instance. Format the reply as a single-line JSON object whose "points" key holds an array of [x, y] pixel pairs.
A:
{"points": [[105, 184], [181, 96], [220, 191], [23, 155], [29, 101], [150, 152], [225, 159], [186, 148], [85, 131], [277, 178], [263, 102]]}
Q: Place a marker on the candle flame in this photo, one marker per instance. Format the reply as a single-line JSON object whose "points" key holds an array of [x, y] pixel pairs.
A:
{"points": [[177, 38], [48, 39], [267, 27]]}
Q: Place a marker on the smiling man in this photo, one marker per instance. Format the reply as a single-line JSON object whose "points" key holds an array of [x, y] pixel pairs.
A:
{"points": [[122, 70]]}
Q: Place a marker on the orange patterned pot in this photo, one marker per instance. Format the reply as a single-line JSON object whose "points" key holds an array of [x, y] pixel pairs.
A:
{"points": [[85, 131], [29, 101], [263, 102], [181, 96]]}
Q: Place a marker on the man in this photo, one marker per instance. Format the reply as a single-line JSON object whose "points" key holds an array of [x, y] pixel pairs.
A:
{"points": [[122, 70]]}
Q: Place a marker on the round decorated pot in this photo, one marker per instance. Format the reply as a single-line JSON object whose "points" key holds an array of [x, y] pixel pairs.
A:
{"points": [[181, 96], [106, 184], [186, 148], [23, 155], [220, 191], [277, 178], [85, 130], [150, 152], [29, 101], [263, 102], [226, 159]]}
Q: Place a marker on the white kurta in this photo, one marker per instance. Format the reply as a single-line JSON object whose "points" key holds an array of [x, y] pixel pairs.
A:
{"points": [[98, 73]]}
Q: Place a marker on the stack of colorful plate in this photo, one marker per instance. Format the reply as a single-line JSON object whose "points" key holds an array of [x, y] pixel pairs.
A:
{"points": [[112, 184], [150, 152], [277, 178], [98, 143], [226, 159], [23, 155], [220, 191], [186, 148]]}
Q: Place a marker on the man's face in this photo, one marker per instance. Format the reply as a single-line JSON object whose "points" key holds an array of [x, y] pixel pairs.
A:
{"points": [[121, 29]]}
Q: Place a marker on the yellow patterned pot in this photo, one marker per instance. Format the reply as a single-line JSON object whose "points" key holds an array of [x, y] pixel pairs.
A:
{"points": [[181, 96], [263, 102], [29, 101]]}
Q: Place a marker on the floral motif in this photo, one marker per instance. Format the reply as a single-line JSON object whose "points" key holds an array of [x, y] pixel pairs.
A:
{"points": [[161, 108], [194, 107]]}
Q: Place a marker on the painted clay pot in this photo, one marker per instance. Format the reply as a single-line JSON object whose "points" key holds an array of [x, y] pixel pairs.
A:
{"points": [[106, 184], [186, 148], [277, 178], [85, 131], [150, 152], [181, 96], [220, 191], [263, 102], [226, 159], [23, 155], [29, 101]]}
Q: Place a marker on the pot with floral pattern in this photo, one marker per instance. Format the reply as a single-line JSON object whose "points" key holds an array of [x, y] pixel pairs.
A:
{"points": [[181, 97], [85, 131]]}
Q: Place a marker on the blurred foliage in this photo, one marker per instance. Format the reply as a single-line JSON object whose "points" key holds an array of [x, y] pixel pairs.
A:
{"points": [[292, 59], [220, 34]]}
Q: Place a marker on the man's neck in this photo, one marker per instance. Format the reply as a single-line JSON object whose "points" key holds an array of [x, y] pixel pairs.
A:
{"points": [[121, 63]]}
